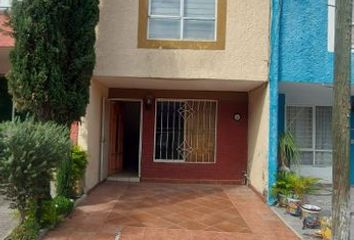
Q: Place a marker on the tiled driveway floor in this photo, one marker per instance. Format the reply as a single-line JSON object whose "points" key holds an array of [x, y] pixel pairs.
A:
{"points": [[172, 211]]}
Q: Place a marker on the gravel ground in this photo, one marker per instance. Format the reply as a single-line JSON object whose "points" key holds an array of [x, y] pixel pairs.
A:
{"points": [[323, 200], [7, 221]]}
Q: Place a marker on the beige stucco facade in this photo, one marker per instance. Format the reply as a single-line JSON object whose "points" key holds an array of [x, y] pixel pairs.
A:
{"points": [[90, 133], [241, 67], [245, 57], [258, 138]]}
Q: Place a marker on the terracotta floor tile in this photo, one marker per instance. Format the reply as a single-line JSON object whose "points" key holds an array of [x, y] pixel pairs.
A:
{"points": [[82, 235], [172, 212], [104, 236], [192, 225]]}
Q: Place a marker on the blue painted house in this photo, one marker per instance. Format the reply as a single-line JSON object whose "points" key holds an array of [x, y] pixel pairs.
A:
{"points": [[301, 82]]}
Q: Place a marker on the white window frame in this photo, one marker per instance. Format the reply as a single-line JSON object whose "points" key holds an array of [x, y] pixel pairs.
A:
{"points": [[155, 129], [313, 149], [182, 18], [331, 25]]}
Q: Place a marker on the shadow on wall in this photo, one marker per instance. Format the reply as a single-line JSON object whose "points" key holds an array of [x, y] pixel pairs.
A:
{"points": [[90, 134], [258, 138]]}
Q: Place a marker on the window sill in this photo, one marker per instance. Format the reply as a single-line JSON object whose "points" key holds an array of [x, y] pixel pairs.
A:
{"points": [[196, 45], [181, 162]]}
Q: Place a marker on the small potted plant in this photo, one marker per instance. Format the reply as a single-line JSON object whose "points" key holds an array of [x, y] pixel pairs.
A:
{"points": [[300, 186], [288, 152], [282, 188]]}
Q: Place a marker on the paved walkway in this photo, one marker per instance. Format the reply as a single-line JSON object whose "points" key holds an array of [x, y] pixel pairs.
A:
{"points": [[172, 211], [7, 222], [322, 199]]}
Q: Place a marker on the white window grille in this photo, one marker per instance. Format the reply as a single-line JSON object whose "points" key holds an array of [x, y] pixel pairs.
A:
{"points": [[182, 19], [185, 130], [311, 127]]}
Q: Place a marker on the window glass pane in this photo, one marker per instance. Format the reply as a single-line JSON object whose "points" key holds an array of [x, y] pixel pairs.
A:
{"points": [[299, 122], [324, 128], [164, 28], [199, 8], [165, 7], [306, 158], [199, 29], [323, 159]]}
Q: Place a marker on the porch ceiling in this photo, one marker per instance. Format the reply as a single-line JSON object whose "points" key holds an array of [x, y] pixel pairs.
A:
{"points": [[178, 84], [310, 89], [307, 94]]}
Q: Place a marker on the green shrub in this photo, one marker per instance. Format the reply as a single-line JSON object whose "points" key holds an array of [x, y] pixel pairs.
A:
{"points": [[70, 173], [49, 214], [28, 230], [79, 164], [29, 152], [283, 185], [64, 184], [288, 151], [291, 184], [63, 205]]}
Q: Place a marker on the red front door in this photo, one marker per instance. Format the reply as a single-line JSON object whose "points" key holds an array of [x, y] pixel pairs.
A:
{"points": [[116, 139]]}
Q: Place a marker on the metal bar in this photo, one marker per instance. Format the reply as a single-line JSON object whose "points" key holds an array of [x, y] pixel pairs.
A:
{"points": [[179, 127], [161, 128], [173, 130], [168, 131], [197, 133]]}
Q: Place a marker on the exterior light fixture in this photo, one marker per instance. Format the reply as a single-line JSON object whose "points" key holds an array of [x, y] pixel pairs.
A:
{"points": [[237, 117], [149, 101]]}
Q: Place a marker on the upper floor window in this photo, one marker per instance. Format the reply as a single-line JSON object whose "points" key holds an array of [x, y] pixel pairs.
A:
{"points": [[193, 24], [4, 4], [182, 19], [331, 24]]}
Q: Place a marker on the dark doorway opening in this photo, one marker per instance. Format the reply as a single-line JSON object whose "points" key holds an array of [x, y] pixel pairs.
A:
{"points": [[131, 140], [125, 121]]}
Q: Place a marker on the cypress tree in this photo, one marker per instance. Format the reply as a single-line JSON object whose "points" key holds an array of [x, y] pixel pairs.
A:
{"points": [[53, 57]]}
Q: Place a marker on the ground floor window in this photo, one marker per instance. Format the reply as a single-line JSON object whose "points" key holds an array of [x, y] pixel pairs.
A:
{"points": [[185, 130], [311, 127]]}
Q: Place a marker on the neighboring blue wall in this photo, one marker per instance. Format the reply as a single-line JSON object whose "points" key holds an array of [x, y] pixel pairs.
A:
{"points": [[273, 93], [303, 55], [299, 54]]}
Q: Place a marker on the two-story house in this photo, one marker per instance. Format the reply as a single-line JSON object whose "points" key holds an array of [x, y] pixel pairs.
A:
{"points": [[301, 80], [180, 93]]}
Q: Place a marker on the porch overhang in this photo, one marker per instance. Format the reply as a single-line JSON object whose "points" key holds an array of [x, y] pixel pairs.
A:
{"points": [[178, 84]]}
